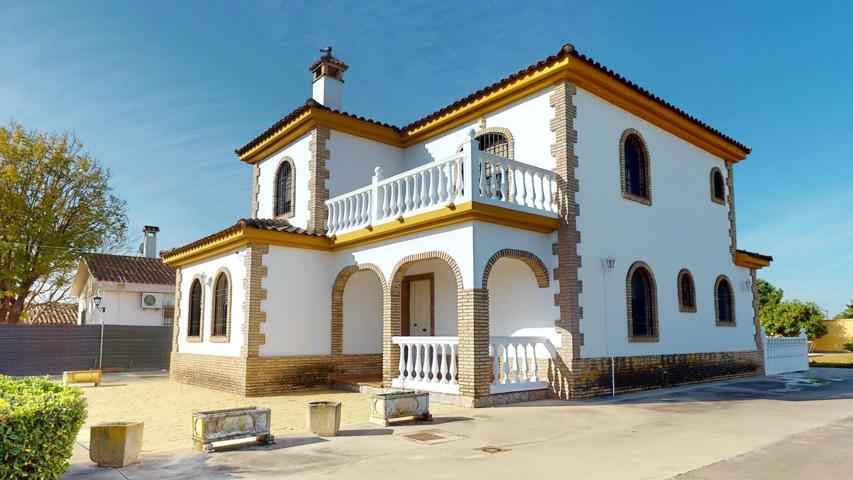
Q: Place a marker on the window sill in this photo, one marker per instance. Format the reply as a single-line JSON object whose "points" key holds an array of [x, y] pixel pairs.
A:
{"points": [[719, 201], [194, 339], [687, 309], [726, 324], [220, 339], [636, 198], [648, 339]]}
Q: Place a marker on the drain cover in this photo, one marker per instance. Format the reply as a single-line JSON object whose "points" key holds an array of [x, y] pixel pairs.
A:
{"points": [[425, 436], [491, 449]]}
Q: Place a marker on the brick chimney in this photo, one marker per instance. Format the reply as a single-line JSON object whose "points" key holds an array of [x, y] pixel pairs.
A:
{"points": [[149, 241], [328, 87]]}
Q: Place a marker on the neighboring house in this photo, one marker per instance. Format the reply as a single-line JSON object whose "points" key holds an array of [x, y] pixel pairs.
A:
{"points": [[52, 314], [132, 290], [561, 232]]}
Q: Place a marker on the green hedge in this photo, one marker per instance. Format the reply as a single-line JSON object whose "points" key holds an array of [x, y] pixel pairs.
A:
{"points": [[39, 421]]}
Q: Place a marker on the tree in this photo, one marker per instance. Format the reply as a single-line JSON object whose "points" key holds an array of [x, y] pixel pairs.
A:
{"points": [[55, 204], [847, 312], [768, 294], [786, 318]]}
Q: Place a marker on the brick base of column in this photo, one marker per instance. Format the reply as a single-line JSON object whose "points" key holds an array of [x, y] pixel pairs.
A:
{"points": [[473, 364]]}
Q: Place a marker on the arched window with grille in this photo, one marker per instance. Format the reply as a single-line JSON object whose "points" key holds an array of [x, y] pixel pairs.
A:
{"points": [[634, 160], [221, 306], [686, 292], [496, 143], [724, 301], [194, 326], [284, 190], [642, 304], [718, 186]]}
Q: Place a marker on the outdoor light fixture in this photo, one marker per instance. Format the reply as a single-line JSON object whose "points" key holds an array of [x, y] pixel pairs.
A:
{"points": [[97, 301], [608, 263]]}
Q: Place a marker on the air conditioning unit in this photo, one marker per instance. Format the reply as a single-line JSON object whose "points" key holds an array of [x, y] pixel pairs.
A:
{"points": [[152, 300]]}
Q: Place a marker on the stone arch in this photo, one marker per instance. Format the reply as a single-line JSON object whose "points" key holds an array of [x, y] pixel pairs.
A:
{"points": [[338, 300], [540, 271]]}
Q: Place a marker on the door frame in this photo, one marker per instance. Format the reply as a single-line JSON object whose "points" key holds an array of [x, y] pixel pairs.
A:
{"points": [[404, 302]]}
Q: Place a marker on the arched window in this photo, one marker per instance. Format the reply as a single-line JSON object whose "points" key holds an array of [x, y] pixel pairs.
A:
{"points": [[718, 186], [686, 292], [194, 327], [725, 302], [221, 305], [284, 191], [636, 184], [495, 143], [642, 304]]}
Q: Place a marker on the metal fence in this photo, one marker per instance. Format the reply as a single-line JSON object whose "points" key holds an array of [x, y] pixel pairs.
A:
{"points": [[52, 349]]}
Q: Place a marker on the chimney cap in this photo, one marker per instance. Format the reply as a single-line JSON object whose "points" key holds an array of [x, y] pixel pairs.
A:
{"points": [[328, 65], [150, 229]]}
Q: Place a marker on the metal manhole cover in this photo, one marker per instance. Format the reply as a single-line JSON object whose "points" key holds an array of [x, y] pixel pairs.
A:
{"points": [[425, 436], [491, 449]]}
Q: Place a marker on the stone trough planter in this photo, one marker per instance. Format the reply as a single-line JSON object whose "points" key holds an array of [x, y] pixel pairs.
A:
{"points": [[115, 444], [81, 376], [324, 418], [385, 407], [216, 425]]}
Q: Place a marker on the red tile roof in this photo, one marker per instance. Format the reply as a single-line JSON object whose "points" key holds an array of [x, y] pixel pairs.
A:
{"points": [[270, 224], [565, 51], [52, 314], [123, 268]]}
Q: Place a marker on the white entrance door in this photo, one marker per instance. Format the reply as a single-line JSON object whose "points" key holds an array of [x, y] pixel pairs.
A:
{"points": [[418, 305]]}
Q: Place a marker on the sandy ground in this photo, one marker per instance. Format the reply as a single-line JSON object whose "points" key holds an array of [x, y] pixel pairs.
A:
{"points": [[166, 407]]}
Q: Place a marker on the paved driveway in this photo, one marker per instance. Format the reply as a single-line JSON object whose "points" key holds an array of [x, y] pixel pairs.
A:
{"points": [[789, 426]]}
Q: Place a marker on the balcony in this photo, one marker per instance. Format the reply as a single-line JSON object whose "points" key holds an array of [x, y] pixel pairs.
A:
{"points": [[468, 176]]}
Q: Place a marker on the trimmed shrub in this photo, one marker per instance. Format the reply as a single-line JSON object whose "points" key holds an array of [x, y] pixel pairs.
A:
{"points": [[39, 422], [848, 346]]}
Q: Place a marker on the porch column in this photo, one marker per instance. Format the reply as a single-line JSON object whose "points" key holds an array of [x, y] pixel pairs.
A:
{"points": [[474, 369], [390, 328]]}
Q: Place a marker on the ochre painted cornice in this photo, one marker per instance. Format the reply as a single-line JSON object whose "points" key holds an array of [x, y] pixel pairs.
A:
{"points": [[569, 68], [748, 260], [448, 215]]}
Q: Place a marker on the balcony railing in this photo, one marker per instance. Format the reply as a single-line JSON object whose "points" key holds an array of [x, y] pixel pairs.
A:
{"points": [[495, 180], [430, 363]]}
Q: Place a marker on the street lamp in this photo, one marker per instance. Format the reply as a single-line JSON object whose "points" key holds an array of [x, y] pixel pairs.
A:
{"points": [[103, 310]]}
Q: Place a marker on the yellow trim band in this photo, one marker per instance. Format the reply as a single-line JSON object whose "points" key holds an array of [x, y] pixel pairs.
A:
{"points": [[743, 259], [449, 215]]}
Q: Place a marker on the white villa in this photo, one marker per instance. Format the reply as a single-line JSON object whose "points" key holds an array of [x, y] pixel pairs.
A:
{"points": [[562, 232]]}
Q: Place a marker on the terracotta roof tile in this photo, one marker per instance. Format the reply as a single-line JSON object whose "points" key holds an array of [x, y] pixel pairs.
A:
{"points": [[270, 224], [52, 314], [566, 50], [123, 268], [757, 255]]}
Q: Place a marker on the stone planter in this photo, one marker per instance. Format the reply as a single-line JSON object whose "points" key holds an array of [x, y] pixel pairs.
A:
{"points": [[323, 418], [115, 444], [388, 406], [81, 376], [215, 425]]}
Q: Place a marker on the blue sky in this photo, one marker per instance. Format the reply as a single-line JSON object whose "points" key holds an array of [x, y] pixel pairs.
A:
{"points": [[163, 92]]}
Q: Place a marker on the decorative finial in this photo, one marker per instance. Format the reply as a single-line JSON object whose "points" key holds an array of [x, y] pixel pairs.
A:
{"points": [[471, 133], [327, 50]]}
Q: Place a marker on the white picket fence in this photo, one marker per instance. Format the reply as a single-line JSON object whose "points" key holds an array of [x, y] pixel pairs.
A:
{"points": [[785, 354]]}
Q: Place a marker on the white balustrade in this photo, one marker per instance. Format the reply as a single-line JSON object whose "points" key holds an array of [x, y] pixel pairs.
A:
{"points": [[494, 180], [515, 184], [785, 354], [427, 363], [515, 363]]}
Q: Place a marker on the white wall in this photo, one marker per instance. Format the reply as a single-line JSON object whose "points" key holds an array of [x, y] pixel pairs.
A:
{"points": [[234, 261], [123, 303], [352, 161], [298, 305], [362, 314], [682, 229], [300, 153], [528, 119]]}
